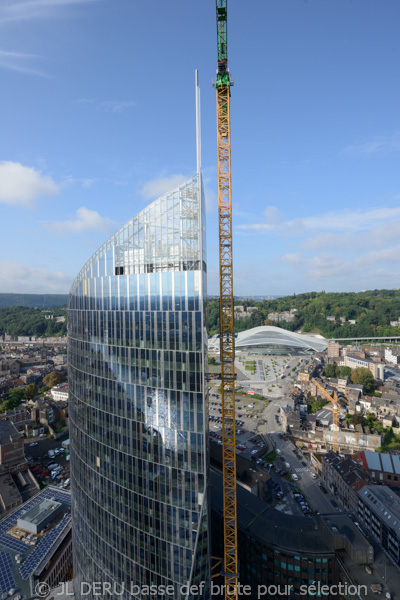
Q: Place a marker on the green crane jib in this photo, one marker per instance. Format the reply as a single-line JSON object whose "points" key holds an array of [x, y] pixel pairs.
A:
{"points": [[222, 73]]}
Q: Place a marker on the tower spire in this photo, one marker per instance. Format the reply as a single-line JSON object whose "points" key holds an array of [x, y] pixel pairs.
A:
{"points": [[198, 124]]}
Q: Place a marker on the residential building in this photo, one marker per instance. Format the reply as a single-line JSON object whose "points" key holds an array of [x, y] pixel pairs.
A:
{"points": [[333, 349], [344, 477], [392, 356], [379, 509], [138, 406], [382, 467], [287, 316], [12, 456], [354, 362], [60, 392]]}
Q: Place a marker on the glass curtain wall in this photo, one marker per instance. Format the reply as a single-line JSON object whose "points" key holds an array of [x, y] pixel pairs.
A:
{"points": [[139, 409]]}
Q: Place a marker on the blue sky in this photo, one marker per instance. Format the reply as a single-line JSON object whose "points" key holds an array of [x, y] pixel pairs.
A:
{"points": [[98, 118]]}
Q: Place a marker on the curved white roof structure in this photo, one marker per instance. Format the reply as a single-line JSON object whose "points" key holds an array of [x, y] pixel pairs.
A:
{"points": [[274, 340], [269, 339]]}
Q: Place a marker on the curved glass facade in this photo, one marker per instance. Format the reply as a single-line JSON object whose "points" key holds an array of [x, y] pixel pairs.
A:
{"points": [[139, 410]]}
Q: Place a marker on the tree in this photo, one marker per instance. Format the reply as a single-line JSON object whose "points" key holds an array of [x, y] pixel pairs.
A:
{"points": [[53, 378], [344, 372], [363, 377], [14, 398], [43, 389], [31, 391], [388, 437], [330, 370]]}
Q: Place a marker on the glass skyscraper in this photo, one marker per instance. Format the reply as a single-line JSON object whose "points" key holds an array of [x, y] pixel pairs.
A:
{"points": [[139, 425]]}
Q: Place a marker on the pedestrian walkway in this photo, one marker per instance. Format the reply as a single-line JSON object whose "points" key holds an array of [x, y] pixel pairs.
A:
{"points": [[302, 469]]}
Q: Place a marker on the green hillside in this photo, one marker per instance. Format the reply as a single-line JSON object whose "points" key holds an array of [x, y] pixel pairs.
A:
{"points": [[33, 300], [20, 320], [372, 311]]}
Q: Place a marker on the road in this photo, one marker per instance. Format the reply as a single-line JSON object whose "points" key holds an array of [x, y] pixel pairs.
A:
{"points": [[309, 487]]}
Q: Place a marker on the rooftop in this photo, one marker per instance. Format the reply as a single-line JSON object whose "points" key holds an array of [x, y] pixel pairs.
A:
{"points": [[382, 461], [384, 502], [40, 512], [34, 551], [8, 432]]}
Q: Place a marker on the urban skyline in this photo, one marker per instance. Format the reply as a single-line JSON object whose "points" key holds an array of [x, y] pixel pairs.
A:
{"points": [[313, 172]]}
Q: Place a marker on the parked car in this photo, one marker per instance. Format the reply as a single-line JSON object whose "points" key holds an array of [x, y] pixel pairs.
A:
{"points": [[334, 503]]}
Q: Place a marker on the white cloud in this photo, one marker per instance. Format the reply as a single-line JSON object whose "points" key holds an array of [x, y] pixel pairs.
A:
{"points": [[20, 62], [159, 187], [357, 220], [25, 10], [328, 266], [273, 215], [110, 106], [293, 259], [386, 255], [376, 146], [16, 277], [21, 185], [85, 182], [85, 219]]}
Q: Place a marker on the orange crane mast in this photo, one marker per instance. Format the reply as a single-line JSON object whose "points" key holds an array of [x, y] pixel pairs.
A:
{"points": [[335, 418], [223, 84]]}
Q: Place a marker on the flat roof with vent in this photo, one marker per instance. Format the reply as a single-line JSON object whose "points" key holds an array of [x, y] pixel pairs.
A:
{"points": [[36, 519]]}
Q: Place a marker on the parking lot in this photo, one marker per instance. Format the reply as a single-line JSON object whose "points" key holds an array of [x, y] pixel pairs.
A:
{"points": [[47, 469]]}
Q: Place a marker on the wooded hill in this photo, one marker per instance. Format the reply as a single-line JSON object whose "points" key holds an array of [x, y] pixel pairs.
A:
{"points": [[20, 320], [372, 311], [33, 300]]}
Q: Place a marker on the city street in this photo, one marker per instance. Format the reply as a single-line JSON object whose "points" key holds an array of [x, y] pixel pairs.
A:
{"points": [[309, 487]]}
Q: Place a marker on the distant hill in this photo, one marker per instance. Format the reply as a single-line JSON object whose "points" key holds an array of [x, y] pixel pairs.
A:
{"points": [[33, 300], [22, 320], [334, 315]]}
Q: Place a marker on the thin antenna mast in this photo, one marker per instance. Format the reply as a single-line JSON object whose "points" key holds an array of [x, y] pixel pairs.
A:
{"points": [[198, 123]]}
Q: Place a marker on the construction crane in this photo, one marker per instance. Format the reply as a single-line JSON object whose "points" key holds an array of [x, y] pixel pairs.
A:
{"points": [[223, 85], [335, 418]]}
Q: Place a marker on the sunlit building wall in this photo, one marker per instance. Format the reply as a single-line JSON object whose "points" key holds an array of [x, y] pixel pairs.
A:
{"points": [[139, 425]]}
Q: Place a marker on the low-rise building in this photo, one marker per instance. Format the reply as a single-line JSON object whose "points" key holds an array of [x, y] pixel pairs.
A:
{"points": [[36, 544], [12, 456], [379, 509], [355, 362], [392, 356], [344, 477], [382, 467], [60, 392]]}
